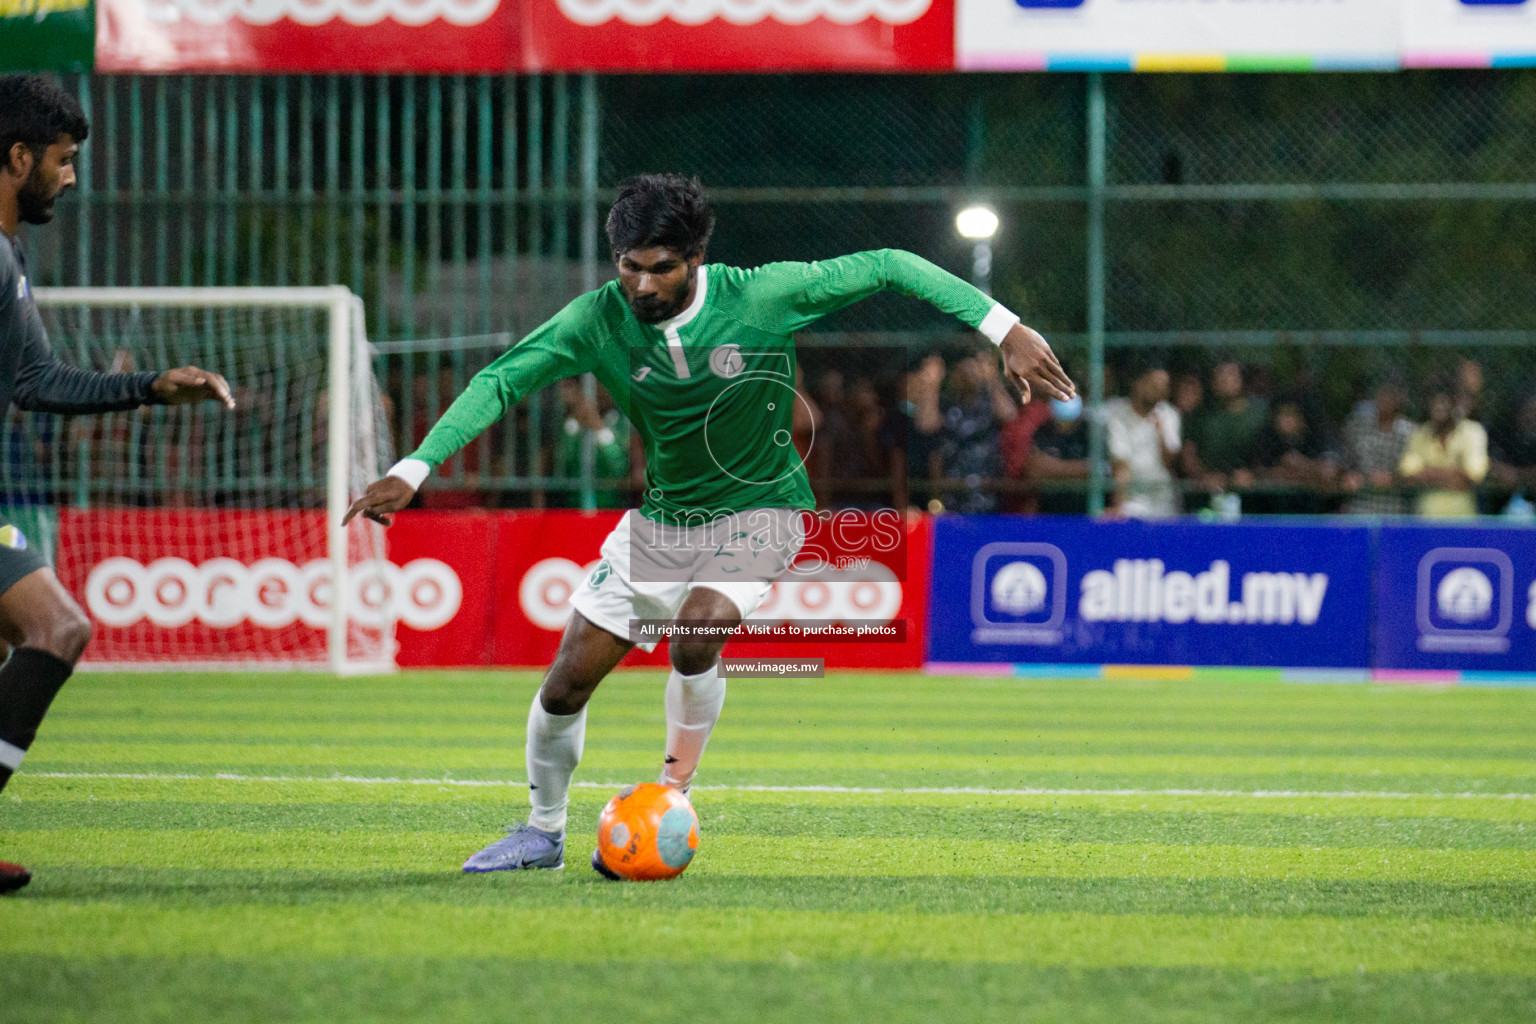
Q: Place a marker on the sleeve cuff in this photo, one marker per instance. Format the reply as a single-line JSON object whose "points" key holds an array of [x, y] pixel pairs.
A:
{"points": [[998, 323], [144, 387], [412, 471]]}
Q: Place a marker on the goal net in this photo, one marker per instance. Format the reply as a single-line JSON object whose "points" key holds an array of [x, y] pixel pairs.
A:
{"points": [[197, 536]]}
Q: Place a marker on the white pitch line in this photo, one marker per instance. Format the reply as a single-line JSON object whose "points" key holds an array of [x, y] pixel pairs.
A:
{"points": [[358, 780]]}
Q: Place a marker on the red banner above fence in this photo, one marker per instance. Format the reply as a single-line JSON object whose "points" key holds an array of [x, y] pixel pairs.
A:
{"points": [[306, 35], [524, 35], [739, 35]]}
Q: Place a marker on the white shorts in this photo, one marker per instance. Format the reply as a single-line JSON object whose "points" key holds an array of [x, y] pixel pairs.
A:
{"points": [[648, 568]]}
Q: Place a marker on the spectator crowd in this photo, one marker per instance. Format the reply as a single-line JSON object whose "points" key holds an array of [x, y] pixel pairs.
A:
{"points": [[952, 437]]}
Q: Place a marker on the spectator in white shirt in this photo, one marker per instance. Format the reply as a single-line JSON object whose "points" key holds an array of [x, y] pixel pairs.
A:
{"points": [[1143, 432]]}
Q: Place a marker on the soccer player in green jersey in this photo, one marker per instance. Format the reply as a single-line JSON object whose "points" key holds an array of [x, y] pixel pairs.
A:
{"points": [[701, 359]]}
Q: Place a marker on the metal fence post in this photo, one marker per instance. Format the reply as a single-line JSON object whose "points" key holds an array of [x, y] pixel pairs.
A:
{"points": [[1098, 461], [589, 141]]}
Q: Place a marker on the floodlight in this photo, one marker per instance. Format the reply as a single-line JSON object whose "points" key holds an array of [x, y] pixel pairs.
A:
{"points": [[976, 222]]}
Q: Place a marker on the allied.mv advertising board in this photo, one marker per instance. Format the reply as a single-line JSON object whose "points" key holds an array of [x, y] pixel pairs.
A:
{"points": [[1074, 591], [1456, 599]]}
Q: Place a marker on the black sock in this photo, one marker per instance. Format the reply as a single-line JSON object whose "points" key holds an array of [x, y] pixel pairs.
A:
{"points": [[28, 683]]}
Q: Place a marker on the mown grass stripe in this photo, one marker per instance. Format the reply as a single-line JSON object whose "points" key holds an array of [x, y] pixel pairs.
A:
{"points": [[1320, 946], [344, 990], [1242, 897], [815, 760], [1425, 742], [744, 816], [1099, 706], [35, 786], [1088, 700], [387, 849], [598, 767], [1256, 794]]}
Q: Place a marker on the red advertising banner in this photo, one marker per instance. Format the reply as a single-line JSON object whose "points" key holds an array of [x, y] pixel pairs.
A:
{"points": [[467, 588], [540, 558], [524, 35], [307, 35], [159, 585], [468, 544], [231, 586], [739, 35]]}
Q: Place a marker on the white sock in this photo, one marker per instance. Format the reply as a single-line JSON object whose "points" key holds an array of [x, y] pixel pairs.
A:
{"points": [[554, 749], [693, 707]]}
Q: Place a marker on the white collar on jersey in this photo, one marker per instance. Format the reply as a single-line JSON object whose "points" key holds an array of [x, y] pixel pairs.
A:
{"points": [[682, 319]]}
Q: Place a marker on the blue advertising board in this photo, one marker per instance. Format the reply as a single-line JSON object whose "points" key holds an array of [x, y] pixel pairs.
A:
{"points": [[1062, 590], [1459, 598]]}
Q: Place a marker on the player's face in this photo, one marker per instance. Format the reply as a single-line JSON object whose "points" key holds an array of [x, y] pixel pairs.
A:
{"points": [[657, 282], [50, 176]]}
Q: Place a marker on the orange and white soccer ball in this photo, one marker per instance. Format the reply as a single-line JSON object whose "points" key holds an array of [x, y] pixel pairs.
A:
{"points": [[647, 833]]}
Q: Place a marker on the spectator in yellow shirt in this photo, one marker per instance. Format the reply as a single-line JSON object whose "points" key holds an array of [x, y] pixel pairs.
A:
{"points": [[1446, 458]]}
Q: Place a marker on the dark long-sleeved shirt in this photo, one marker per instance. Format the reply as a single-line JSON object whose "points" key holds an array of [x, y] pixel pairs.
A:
{"points": [[31, 375]]}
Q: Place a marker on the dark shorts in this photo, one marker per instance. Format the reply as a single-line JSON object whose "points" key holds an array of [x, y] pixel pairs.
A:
{"points": [[18, 555]]}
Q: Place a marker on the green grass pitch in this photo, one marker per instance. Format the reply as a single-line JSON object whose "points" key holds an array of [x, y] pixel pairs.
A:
{"points": [[876, 847]]}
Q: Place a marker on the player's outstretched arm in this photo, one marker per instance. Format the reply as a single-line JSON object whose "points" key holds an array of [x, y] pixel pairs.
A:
{"points": [[817, 289], [187, 384], [490, 394], [552, 351], [46, 384], [381, 500]]}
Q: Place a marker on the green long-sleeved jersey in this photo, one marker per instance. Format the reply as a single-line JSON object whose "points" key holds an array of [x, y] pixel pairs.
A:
{"points": [[711, 391]]}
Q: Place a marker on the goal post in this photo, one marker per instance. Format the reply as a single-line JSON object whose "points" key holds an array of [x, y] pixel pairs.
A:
{"points": [[195, 536]]}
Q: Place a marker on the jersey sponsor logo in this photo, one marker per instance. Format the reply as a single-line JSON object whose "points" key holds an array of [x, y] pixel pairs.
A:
{"points": [[870, 593], [272, 593], [726, 361], [743, 12], [11, 537], [319, 12], [640, 374]]}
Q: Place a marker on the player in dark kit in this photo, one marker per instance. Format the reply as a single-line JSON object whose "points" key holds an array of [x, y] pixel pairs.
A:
{"points": [[41, 129]]}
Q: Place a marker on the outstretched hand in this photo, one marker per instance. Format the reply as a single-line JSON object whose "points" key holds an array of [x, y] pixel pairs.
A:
{"points": [[1029, 363], [187, 384], [382, 499]]}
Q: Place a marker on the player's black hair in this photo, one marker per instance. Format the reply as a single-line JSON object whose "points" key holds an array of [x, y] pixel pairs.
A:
{"points": [[660, 209], [35, 112]]}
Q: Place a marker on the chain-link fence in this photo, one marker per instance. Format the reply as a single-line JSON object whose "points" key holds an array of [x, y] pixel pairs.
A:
{"points": [[1330, 233]]}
